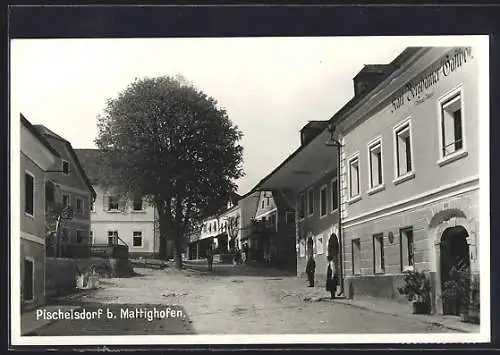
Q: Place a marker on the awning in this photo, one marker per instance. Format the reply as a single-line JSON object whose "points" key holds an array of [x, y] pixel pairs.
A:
{"points": [[303, 167]]}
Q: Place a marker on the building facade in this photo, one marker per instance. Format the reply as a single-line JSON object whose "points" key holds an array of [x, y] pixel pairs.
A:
{"points": [[410, 172], [37, 156], [272, 240], [116, 220], [69, 190], [405, 151]]}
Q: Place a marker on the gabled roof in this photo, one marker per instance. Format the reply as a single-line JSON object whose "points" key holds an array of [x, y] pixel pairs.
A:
{"points": [[90, 160], [36, 133], [48, 133]]}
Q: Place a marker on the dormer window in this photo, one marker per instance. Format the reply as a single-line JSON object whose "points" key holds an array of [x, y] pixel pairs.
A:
{"points": [[65, 167]]}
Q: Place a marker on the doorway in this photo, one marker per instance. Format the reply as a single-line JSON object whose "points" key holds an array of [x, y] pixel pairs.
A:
{"points": [[333, 247], [455, 268], [28, 280]]}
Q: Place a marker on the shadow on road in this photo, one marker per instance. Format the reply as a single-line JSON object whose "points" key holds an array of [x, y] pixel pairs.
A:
{"points": [[224, 270]]}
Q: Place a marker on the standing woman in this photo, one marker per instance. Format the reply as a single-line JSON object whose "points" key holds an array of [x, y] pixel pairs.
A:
{"points": [[332, 277]]}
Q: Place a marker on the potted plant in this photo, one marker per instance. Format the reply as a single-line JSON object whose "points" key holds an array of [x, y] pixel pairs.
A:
{"points": [[456, 293], [475, 301], [417, 289], [450, 295]]}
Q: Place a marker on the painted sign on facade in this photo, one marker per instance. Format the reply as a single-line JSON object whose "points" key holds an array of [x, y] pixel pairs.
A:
{"points": [[420, 89]]}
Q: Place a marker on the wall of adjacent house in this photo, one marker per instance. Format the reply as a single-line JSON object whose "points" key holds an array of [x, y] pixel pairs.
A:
{"points": [[34, 158], [126, 221], [319, 228], [425, 130]]}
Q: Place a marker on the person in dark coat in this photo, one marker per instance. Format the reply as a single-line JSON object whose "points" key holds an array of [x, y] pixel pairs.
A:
{"points": [[210, 257], [332, 277], [310, 270]]}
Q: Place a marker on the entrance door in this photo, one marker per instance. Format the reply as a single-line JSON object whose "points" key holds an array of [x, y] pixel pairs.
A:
{"points": [[454, 255], [333, 247], [28, 280]]}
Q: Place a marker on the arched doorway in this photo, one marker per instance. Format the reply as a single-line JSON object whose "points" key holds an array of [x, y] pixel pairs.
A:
{"points": [[333, 247], [454, 267]]}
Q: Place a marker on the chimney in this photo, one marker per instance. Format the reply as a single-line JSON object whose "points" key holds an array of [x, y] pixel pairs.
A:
{"points": [[311, 130], [369, 77]]}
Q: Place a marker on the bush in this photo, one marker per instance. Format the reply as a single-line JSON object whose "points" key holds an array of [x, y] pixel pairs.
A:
{"points": [[417, 287]]}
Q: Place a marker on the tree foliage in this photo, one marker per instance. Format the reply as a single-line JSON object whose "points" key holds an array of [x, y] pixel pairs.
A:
{"points": [[164, 139]]}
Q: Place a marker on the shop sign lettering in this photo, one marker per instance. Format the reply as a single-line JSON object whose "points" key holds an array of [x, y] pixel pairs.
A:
{"points": [[418, 90]]}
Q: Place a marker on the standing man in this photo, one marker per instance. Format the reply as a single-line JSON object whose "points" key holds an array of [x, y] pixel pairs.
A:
{"points": [[310, 270], [332, 277], [210, 257]]}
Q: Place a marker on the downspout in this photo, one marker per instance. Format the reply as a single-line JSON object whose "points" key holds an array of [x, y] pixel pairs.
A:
{"points": [[341, 239]]}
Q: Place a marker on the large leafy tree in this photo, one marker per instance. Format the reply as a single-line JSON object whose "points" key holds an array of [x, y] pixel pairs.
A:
{"points": [[167, 141]]}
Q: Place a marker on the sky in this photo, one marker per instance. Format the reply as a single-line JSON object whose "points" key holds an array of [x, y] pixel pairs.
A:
{"points": [[270, 87]]}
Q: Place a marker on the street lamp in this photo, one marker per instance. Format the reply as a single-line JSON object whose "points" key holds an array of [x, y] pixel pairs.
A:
{"points": [[333, 142]]}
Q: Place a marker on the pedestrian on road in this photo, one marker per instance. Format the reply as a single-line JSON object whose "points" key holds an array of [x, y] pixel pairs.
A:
{"points": [[310, 270], [210, 258], [332, 277]]}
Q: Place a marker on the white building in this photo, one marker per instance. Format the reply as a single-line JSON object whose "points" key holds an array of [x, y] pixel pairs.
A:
{"points": [[114, 220]]}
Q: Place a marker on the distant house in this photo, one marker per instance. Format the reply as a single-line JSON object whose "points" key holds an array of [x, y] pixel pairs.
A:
{"points": [[37, 156], [222, 230], [67, 189], [118, 221], [272, 238]]}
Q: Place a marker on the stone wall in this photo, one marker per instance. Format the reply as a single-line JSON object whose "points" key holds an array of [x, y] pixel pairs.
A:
{"points": [[61, 273], [60, 276]]}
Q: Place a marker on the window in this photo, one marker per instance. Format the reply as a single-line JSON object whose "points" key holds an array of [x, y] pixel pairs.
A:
{"points": [[92, 206], [354, 177], [79, 205], [28, 280], [322, 201], [356, 256], [263, 203], [79, 236], [290, 217], [310, 202], [137, 239], [451, 125], [302, 206], [66, 201], [65, 167], [403, 150], [335, 195], [137, 205], [375, 162], [378, 254], [29, 194], [91, 237], [319, 244], [113, 237], [112, 203], [407, 249]]}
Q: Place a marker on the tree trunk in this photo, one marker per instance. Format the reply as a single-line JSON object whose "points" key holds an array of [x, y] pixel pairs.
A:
{"points": [[163, 238], [163, 247], [178, 250]]}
